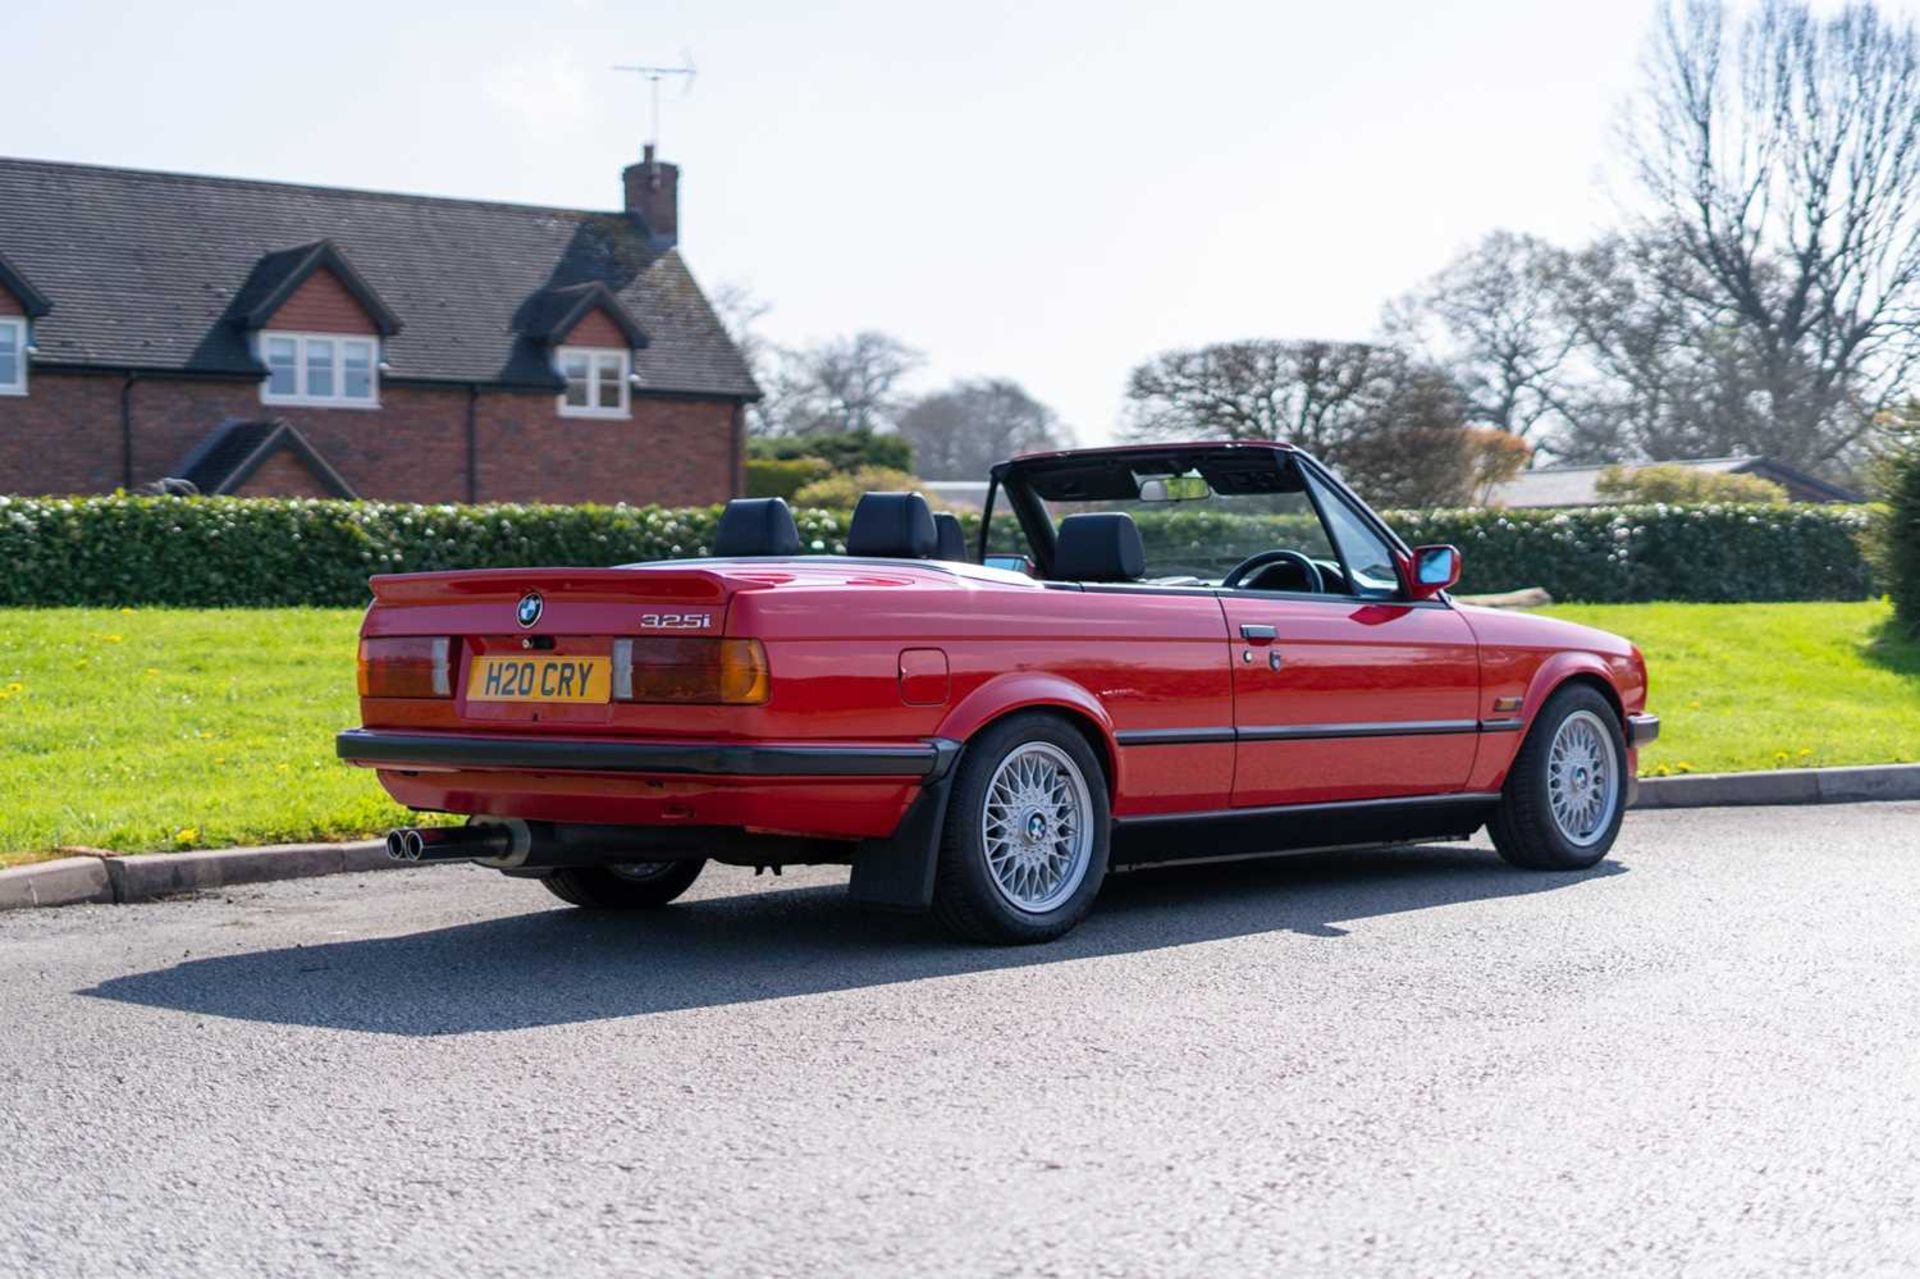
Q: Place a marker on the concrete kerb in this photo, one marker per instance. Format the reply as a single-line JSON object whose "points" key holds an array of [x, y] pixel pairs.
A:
{"points": [[109, 878], [1782, 786], [105, 877]]}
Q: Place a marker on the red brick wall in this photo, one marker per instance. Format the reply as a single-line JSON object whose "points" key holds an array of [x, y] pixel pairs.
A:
{"points": [[321, 305], [596, 329], [64, 437], [9, 304], [283, 474]]}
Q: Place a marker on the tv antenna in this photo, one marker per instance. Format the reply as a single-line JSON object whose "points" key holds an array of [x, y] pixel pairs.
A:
{"points": [[654, 75]]}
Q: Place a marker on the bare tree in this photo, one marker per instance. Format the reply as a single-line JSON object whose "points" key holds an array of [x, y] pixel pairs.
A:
{"points": [[1390, 424], [1493, 319], [851, 383], [1784, 155], [740, 311], [1315, 394], [959, 432]]}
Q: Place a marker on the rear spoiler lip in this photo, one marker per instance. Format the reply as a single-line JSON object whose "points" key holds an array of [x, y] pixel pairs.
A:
{"points": [[678, 585]]}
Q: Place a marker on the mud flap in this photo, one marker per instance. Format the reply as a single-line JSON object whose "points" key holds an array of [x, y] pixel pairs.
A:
{"points": [[896, 873]]}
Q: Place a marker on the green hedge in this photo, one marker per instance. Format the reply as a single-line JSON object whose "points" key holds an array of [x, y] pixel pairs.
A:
{"points": [[233, 552], [1897, 536], [784, 476]]}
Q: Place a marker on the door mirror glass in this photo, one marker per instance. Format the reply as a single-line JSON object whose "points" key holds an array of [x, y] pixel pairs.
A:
{"points": [[1435, 569]]}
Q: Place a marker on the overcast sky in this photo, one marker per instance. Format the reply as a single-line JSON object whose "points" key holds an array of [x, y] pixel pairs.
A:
{"points": [[1050, 192]]}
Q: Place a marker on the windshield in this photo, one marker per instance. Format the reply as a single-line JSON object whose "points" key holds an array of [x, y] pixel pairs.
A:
{"points": [[1198, 541]]}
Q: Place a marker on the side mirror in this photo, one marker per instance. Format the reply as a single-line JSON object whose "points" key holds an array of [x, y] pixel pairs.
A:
{"points": [[1435, 569]]}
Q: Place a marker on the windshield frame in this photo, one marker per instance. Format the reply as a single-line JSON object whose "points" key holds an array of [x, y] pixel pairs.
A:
{"points": [[1016, 478]]}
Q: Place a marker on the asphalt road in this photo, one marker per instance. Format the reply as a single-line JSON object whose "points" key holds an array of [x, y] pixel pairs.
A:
{"points": [[1701, 1057]]}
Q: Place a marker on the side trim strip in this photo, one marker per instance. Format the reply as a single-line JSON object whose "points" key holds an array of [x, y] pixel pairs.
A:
{"points": [[1173, 736], [1398, 728], [1642, 729], [1312, 732], [1460, 798], [928, 760]]}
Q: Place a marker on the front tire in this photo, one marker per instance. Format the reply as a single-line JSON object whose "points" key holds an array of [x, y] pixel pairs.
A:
{"points": [[1024, 850], [630, 886], [1566, 792]]}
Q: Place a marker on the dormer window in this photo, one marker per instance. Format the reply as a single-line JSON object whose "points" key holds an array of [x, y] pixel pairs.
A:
{"points": [[13, 355], [596, 381], [325, 370]]}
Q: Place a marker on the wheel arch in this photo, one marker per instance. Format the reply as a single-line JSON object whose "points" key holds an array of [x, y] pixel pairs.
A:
{"points": [[1020, 691], [1563, 670]]}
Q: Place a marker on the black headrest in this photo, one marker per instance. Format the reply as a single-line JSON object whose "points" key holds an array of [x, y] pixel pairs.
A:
{"points": [[951, 538], [756, 526], [894, 526], [1099, 546]]}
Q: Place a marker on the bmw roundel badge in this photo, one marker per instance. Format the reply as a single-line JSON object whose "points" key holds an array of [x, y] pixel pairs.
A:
{"points": [[529, 609]]}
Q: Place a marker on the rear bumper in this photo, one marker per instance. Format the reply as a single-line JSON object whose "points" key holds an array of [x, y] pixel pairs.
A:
{"points": [[1642, 729], [836, 791], [927, 760]]}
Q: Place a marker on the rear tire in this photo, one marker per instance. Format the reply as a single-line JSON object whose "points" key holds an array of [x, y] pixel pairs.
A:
{"points": [[632, 886], [1024, 849], [1566, 792]]}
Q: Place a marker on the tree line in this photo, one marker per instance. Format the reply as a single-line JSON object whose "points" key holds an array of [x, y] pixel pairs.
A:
{"points": [[1762, 297]]}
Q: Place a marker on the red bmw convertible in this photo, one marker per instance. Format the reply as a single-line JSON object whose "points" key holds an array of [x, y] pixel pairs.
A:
{"points": [[1201, 651]]}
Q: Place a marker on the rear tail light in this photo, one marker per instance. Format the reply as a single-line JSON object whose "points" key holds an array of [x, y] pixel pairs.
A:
{"points": [[730, 672], [406, 666]]}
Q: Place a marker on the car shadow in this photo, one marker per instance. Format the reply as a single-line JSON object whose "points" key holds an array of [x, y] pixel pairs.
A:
{"points": [[560, 966]]}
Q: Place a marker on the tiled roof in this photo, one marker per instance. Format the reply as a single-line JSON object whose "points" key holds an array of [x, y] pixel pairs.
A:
{"points": [[142, 269], [226, 456], [1579, 485], [14, 281]]}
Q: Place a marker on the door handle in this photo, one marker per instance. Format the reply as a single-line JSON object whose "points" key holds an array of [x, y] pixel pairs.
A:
{"points": [[1257, 634]]}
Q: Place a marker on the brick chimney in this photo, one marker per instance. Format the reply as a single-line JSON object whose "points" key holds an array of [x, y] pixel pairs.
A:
{"points": [[653, 198]]}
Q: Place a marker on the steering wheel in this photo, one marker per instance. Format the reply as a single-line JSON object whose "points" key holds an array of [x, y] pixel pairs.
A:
{"points": [[1311, 571]]}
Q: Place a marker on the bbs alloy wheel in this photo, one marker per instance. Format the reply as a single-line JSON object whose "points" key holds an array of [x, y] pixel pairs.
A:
{"points": [[1566, 792], [1025, 845]]}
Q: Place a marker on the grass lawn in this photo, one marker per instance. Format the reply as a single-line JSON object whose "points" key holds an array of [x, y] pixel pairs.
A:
{"points": [[161, 729], [1740, 687]]}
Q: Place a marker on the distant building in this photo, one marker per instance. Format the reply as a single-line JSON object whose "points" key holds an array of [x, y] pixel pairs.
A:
{"points": [[264, 338], [1578, 485]]}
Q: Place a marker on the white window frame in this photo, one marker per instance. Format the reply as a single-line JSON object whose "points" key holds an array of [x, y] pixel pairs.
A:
{"points": [[22, 334], [339, 399], [594, 356]]}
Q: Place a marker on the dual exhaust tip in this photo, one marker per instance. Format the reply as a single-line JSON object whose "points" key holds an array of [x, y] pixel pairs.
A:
{"points": [[405, 844], [415, 844]]}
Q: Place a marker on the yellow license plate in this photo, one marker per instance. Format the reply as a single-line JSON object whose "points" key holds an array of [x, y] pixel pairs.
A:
{"points": [[540, 679]]}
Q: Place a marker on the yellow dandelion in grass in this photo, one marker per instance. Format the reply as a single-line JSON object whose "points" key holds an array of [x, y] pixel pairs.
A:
{"points": [[221, 760], [186, 834], [206, 732], [153, 672], [279, 768], [127, 611], [1683, 767], [1781, 757], [1805, 751], [114, 639], [1693, 705], [12, 690]]}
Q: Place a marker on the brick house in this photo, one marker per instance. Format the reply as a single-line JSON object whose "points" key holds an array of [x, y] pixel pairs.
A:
{"points": [[261, 338]]}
